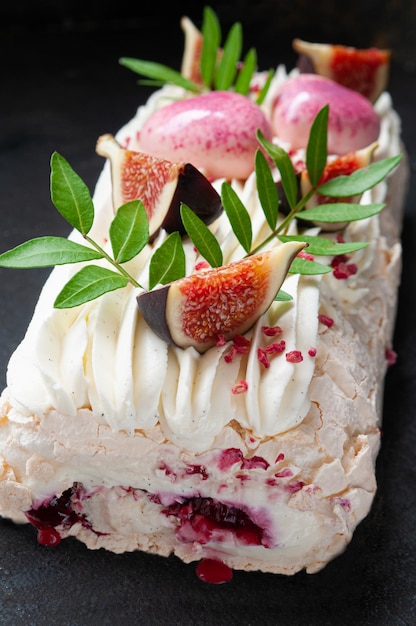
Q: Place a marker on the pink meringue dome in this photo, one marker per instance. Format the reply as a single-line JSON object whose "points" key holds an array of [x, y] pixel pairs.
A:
{"points": [[353, 123], [215, 131]]}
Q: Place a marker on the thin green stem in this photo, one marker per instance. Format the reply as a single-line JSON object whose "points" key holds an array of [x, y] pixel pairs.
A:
{"points": [[116, 265], [284, 225]]}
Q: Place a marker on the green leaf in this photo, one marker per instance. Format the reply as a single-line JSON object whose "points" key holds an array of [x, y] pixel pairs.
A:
{"points": [[316, 150], [285, 167], [227, 66], [238, 216], [151, 83], [70, 195], [320, 246], [266, 189], [211, 39], [263, 92], [308, 268], [283, 296], [360, 180], [129, 231], [88, 284], [47, 252], [167, 262], [202, 237], [159, 72], [243, 81], [340, 212]]}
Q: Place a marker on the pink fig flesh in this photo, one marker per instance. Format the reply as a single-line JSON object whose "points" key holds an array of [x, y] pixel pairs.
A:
{"points": [[161, 185], [363, 70], [222, 302]]}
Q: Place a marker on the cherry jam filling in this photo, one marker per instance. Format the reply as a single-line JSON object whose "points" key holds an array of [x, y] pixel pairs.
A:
{"points": [[58, 511], [205, 519]]}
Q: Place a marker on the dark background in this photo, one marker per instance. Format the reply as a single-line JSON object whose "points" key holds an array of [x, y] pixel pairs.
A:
{"points": [[61, 86], [383, 23]]}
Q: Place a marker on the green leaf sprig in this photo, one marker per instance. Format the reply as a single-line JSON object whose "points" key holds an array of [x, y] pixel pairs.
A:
{"points": [[128, 234], [221, 69], [330, 213], [129, 229]]}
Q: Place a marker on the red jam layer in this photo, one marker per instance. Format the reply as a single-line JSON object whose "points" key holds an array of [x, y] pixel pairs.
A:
{"points": [[205, 519], [200, 519], [59, 511]]}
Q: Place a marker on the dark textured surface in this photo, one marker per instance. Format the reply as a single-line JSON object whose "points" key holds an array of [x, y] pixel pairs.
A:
{"points": [[61, 88]]}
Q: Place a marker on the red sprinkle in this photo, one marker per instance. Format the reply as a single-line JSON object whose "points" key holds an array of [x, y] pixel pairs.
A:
{"points": [[305, 255], [312, 352], [341, 268], [284, 473], [255, 461], [220, 340], [241, 345], [271, 331], [280, 457], [241, 342], [213, 571], [324, 319], [276, 347], [340, 258], [344, 270], [272, 482], [202, 265], [229, 457], [294, 356], [294, 487], [230, 355], [240, 387], [262, 357]]}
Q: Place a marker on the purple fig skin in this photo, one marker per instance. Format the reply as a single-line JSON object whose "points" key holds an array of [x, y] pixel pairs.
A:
{"points": [[153, 309], [305, 65], [283, 203], [194, 190], [217, 299]]}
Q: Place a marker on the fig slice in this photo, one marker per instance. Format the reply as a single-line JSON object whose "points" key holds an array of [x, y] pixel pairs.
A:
{"points": [[340, 166], [191, 59], [363, 70], [217, 303], [161, 185]]}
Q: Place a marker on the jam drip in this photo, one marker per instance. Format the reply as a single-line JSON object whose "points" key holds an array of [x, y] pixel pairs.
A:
{"points": [[56, 512], [213, 571], [205, 519]]}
